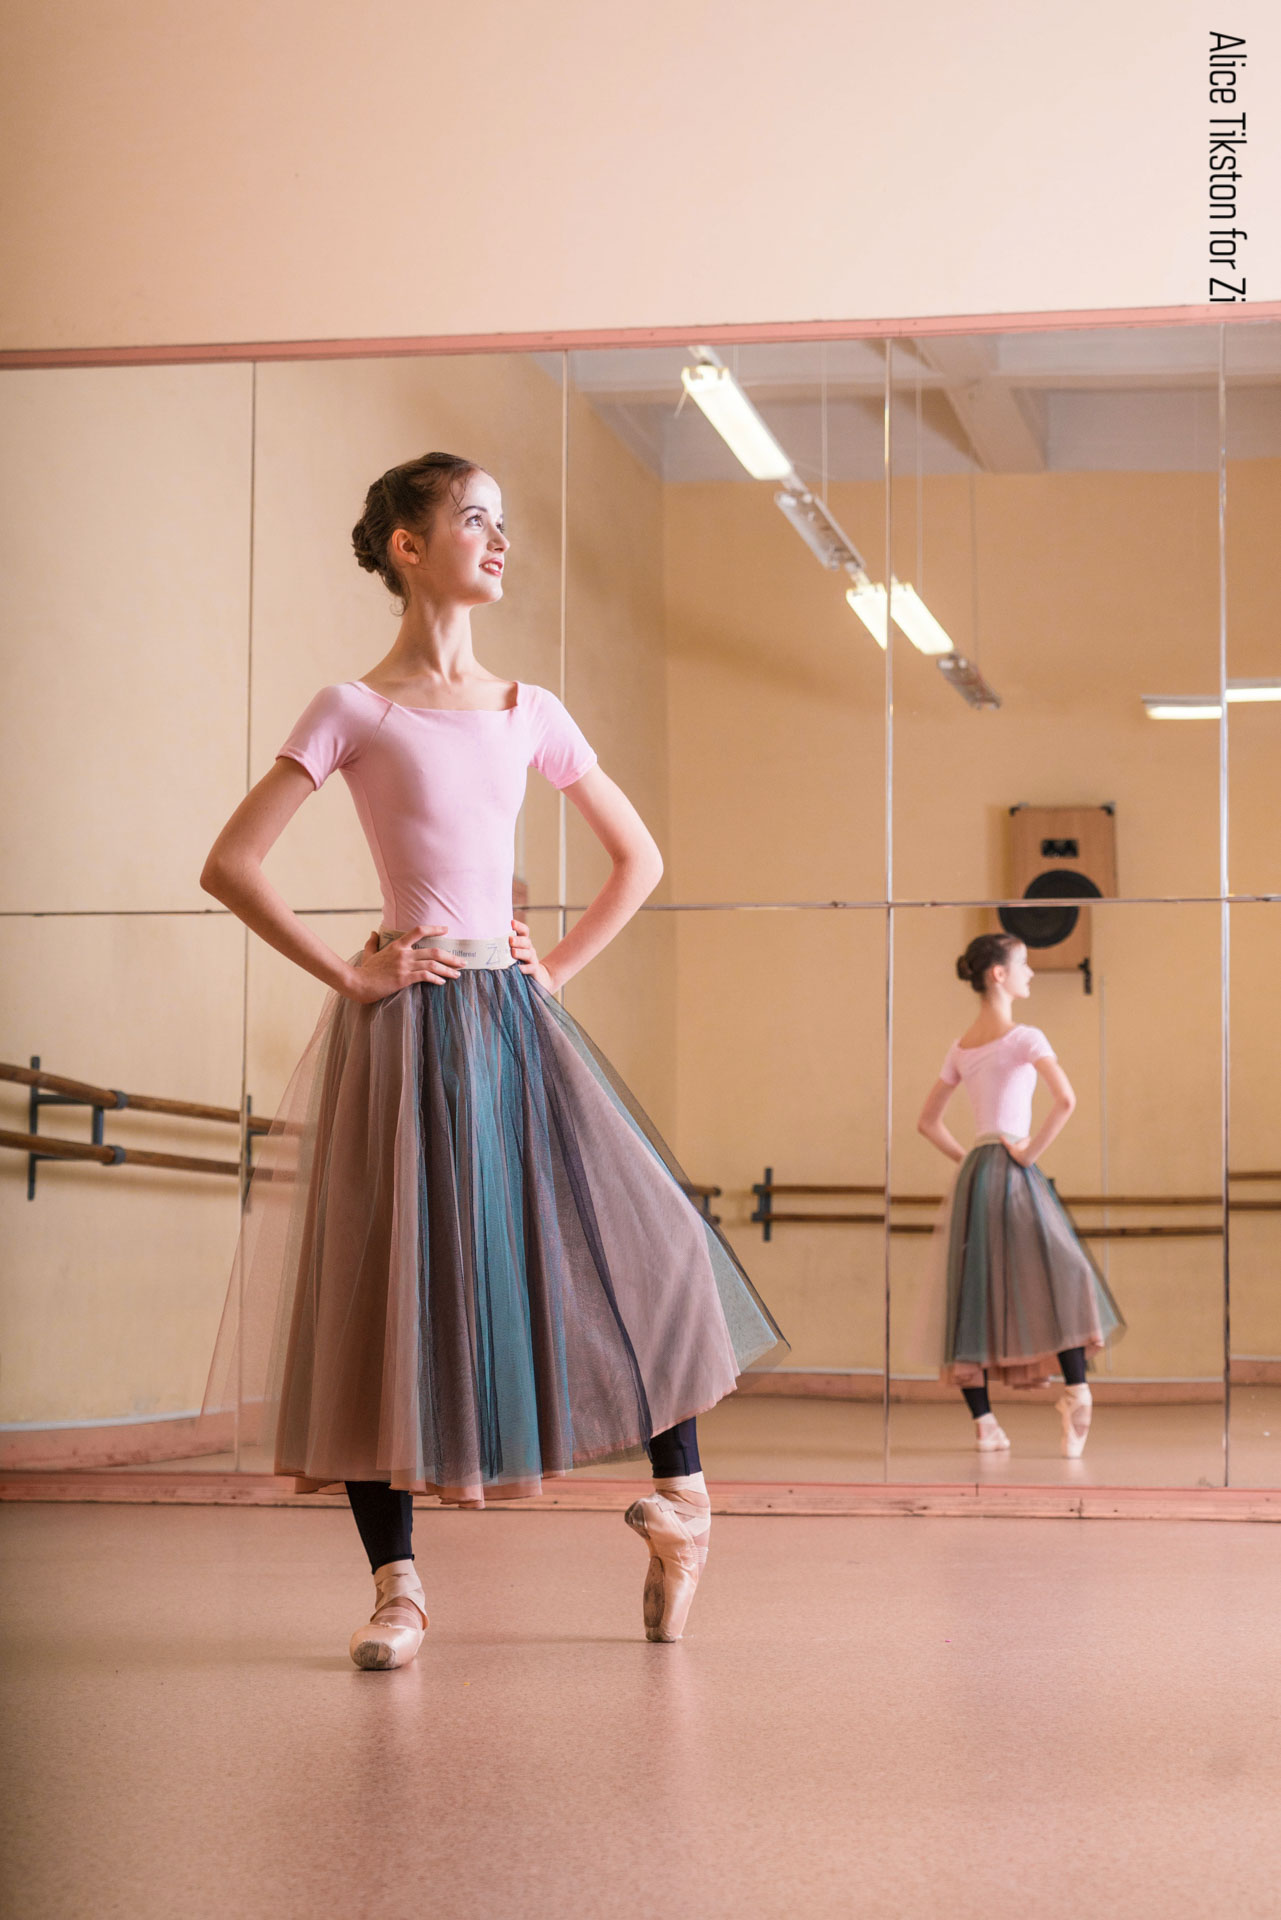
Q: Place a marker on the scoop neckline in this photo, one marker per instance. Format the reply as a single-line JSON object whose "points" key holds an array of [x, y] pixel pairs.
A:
{"points": [[985, 1044], [366, 688]]}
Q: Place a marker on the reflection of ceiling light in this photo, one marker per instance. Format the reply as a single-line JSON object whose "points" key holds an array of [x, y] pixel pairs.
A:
{"points": [[1248, 691], [715, 390], [1179, 706], [913, 617], [1196, 706], [868, 602], [824, 538], [967, 680]]}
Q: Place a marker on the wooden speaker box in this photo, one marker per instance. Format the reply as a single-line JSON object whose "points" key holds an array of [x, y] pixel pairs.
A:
{"points": [[1063, 854]]}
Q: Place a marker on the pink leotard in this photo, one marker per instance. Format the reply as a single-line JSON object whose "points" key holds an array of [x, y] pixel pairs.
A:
{"points": [[438, 791], [1000, 1079]]}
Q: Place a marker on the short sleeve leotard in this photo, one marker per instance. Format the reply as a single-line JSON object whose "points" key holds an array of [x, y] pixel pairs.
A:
{"points": [[1000, 1079], [438, 791]]}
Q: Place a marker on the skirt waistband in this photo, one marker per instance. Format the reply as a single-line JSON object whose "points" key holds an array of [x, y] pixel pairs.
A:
{"points": [[494, 954], [994, 1140]]}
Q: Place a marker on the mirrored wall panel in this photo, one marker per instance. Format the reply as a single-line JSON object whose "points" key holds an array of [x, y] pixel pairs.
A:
{"points": [[890, 644]]}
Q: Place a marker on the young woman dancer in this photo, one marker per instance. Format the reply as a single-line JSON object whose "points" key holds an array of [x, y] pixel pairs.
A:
{"points": [[468, 1258], [1020, 1287]]}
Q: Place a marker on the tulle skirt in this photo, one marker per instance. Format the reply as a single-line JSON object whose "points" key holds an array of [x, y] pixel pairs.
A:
{"points": [[468, 1259], [1018, 1286]]}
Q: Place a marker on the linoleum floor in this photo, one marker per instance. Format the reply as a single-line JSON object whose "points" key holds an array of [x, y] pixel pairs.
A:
{"points": [[964, 1718]]}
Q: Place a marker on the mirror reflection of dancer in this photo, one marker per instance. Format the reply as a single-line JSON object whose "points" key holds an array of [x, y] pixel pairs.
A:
{"points": [[490, 1268], [1020, 1287]]}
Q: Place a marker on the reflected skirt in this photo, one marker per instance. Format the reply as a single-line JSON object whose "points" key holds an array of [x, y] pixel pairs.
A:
{"points": [[468, 1259], [1020, 1287]]}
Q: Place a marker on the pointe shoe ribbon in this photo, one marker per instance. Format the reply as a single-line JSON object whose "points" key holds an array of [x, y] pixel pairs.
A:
{"points": [[393, 1640], [676, 1528]]}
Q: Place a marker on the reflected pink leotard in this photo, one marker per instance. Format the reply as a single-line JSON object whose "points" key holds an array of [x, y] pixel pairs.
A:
{"points": [[438, 791], [1000, 1079]]}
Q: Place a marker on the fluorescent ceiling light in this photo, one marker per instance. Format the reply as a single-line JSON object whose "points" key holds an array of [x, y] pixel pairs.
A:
{"points": [[1247, 692], [914, 619], [1197, 706], [911, 616], [826, 540], [727, 407], [968, 681], [1180, 707], [869, 603]]}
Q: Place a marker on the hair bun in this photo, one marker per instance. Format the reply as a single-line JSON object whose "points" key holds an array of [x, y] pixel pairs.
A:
{"points": [[963, 969]]}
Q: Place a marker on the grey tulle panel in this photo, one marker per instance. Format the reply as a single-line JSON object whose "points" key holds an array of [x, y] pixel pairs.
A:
{"points": [[468, 1260], [1020, 1285]]}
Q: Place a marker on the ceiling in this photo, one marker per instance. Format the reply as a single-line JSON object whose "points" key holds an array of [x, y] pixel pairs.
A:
{"points": [[1125, 399]]}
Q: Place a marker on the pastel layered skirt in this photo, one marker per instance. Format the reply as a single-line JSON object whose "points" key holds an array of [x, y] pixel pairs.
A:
{"points": [[468, 1259], [1019, 1285]]}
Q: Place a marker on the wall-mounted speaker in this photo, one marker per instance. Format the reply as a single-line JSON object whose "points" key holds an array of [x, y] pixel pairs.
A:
{"points": [[1064, 855]]}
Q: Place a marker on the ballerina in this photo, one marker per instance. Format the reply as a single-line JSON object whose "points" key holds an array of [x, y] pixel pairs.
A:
{"points": [[1021, 1290], [468, 1259]]}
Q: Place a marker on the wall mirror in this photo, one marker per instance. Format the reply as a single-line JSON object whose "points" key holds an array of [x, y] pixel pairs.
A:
{"points": [[1063, 711]]}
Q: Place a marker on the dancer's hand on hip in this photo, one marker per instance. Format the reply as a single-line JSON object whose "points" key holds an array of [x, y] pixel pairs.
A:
{"points": [[385, 970], [522, 945]]}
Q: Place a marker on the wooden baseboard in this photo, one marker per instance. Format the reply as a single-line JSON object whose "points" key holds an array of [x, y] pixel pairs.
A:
{"points": [[964, 1500]]}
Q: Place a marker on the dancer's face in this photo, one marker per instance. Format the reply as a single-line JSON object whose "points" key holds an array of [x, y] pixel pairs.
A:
{"points": [[461, 559], [1016, 975]]}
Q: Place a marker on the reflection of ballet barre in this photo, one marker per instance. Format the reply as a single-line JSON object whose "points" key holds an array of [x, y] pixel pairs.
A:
{"points": [[767, 1217]]}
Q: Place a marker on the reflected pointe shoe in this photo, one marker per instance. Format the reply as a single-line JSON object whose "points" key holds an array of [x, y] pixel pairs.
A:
{"points": [[395, 1631], [1074, 1409], [677, 1524], [988, 1436]]}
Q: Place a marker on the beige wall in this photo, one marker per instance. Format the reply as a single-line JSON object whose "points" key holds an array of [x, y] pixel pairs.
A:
{"points": [[318, 169]]}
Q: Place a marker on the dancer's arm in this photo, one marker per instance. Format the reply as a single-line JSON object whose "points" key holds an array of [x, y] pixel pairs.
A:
{"points": [[1064, 1100], [931, 1121], [233, 874], [637, 868]]}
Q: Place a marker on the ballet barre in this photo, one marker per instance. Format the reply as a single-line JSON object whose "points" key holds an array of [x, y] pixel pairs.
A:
{"points": [[57, 1090], [767, 1216]]}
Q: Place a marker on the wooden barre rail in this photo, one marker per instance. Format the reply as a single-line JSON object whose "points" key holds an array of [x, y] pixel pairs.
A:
{"points": [[766, 1217], [51, 1148], [113, 1100]]}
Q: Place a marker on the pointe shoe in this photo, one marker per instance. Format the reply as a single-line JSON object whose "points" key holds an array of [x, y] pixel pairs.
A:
{"points": [[677, 1526], [1074, 1409], [395, 1630], [988, 1436]]}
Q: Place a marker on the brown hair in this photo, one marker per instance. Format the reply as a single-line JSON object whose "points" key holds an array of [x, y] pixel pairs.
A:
{"points": [[986, 951], [405, 496]]}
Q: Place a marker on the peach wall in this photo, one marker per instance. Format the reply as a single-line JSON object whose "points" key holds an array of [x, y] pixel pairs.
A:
{"points": [[322, 168]]}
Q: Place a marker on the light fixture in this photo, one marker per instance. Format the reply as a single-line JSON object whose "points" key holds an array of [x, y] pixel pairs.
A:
{"points": [[968, 681], [1196, 706], [827, 541], [913, 618], [869, 603], [714, 390], [717, 393], [1248, 692], [1178, 706]]}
